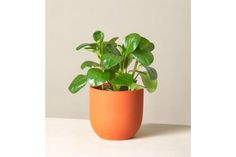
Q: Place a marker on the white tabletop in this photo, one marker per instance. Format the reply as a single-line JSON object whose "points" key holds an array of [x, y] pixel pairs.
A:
{"points": [[75, 138]]}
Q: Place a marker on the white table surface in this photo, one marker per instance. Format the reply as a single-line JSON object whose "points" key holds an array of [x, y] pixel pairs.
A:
{"points": [[75, 138]]}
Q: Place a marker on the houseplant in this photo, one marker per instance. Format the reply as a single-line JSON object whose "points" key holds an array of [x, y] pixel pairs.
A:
{"points": [[116, 97]]}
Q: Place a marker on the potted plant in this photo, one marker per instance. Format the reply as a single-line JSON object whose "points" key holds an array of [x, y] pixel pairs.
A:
{"points": [[116, 96]]}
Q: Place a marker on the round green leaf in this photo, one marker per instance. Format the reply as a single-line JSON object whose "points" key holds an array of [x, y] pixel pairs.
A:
{"points": [[109, 60], [98, 36], [146, 45], [131, 42], [89, 64], [123, 80], [149, 84], [79, 82], [143, 57], [151, 72], [97, 77]]}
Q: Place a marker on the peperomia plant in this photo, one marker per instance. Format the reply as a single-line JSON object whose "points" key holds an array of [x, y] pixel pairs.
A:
{"points": [[112, 71]]}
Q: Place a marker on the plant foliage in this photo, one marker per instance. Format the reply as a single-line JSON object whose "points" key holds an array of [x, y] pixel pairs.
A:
{"points": [[112, 71]]}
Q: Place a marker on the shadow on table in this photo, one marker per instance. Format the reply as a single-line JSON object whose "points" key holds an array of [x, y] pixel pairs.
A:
{"points": [[152, 129]]}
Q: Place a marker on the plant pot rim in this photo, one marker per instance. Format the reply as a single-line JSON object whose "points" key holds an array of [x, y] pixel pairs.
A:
{"points": [[106, 91]]}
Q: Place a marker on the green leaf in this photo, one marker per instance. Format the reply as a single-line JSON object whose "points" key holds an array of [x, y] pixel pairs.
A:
{"points": [[89, 64], [151, 72], [128, 61], [143, 57], [82, 46], [151, 85], [131, 42], [109, 60], [113, 71], [146, 45], [135, 86], [123, 88], [89, 46], [98, 36], [123, 80], [79, 82], [97, 77], [120, 48], [113, 40], [111, 48], [92, 47], [115, 87]]}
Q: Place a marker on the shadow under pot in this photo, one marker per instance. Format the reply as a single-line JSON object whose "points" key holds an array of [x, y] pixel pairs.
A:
{"points": [[115, 115]]}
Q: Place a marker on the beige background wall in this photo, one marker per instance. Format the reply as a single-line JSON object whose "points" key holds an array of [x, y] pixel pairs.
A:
{"points": [[165, 22]]}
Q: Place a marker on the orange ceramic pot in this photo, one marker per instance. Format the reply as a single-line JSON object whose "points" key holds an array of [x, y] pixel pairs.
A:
{"points": [[116, 115]]}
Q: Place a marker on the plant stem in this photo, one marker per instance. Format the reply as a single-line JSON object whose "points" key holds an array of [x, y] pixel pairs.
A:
{"points": [[123, 67], [136, 76], [135, 68]]}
